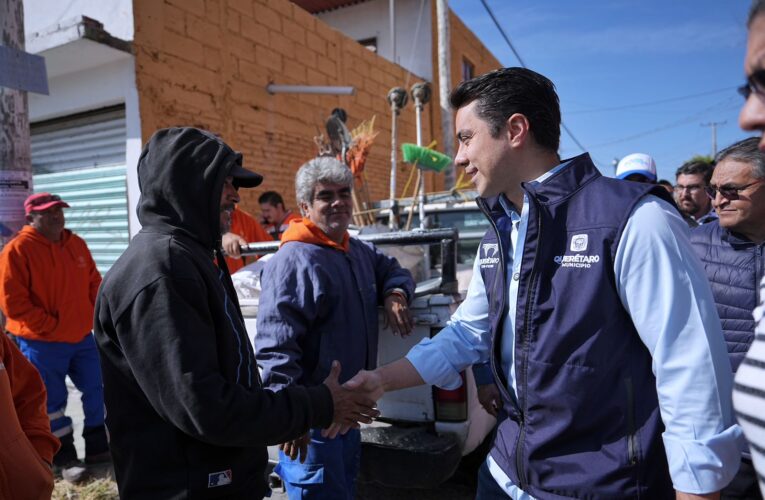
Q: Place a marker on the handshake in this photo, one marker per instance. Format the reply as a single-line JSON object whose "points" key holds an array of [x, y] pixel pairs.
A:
{"points": [[354, 402]]}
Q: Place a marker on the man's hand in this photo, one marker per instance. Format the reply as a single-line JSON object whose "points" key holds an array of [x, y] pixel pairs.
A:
{"points": [[232, 244], [397, 314], [298, 447], [350, 406], [488, 396], [367, 383]]}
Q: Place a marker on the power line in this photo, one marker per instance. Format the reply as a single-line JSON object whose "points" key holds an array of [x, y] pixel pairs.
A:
{"points": [[502, 32], [523, 64], [650, 103], [670, 125]]}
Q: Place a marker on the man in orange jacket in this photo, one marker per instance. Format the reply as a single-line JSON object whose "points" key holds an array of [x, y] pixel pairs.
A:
{"points": [[26, 443], [276, 218], [244, 229], [48, 285]]}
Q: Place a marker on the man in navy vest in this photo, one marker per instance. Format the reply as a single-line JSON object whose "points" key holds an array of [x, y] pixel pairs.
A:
{"points": [[593, 311], [732, 251]]}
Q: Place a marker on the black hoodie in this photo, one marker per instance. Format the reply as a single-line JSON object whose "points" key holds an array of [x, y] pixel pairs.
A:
{"points": [[186, 415]]}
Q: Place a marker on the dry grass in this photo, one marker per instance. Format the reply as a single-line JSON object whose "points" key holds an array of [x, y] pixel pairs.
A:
{"points": [[97, 489]]}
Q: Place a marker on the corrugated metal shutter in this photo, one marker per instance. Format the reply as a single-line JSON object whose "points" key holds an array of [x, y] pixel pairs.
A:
{"points": [[89, 140], [82, 159]]}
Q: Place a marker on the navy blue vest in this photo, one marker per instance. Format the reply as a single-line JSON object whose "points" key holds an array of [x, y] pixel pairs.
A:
{"points": [[586, 423], [734, 267]]}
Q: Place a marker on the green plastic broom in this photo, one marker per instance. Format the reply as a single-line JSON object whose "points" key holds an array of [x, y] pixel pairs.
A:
{"points": [[425, 158]]}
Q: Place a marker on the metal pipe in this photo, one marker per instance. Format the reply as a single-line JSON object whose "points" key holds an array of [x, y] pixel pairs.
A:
{"points": [[392, 15], [446, 237], [421, 95], [397, 99], [274, 88]]}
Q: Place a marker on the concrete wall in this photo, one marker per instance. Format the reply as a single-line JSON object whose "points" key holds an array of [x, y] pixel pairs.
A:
{"points": [[207, 63], [43, 16], [372, 19]]}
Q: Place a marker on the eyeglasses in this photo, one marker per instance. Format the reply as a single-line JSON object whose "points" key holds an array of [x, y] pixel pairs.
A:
{"points": [[694, 188], [755, 84], [729, 192]]}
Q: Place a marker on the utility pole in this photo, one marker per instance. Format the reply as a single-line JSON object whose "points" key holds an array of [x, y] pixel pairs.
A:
{"points": [[444, 84], [714, 134], [15, 161]]}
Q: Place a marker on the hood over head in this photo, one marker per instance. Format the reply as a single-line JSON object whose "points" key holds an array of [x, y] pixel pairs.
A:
{"points": [[181, 172]]}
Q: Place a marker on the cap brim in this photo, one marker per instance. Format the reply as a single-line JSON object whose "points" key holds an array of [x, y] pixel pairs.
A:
{"points": [[245, 178], [644, 173], [46, 206]]}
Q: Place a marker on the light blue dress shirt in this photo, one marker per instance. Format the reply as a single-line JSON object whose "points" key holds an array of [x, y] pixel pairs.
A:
{"points": [[663, 287]]}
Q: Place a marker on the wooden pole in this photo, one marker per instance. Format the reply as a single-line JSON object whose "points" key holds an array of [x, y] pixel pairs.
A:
{"points": [[15, 157], [444, 86]]}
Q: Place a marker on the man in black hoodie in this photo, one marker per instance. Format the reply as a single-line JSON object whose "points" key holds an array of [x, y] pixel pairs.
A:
{"points": [[186, 413]]}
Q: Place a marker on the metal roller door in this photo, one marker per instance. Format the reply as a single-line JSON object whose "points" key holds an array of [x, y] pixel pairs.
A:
{"points": [[82, 159]]}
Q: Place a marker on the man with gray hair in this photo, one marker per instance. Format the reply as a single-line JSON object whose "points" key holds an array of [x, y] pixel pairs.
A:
{"points": [[691, 181], [732, 252], [319, 299]]}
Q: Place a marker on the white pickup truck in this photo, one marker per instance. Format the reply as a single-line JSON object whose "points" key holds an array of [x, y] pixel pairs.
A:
{"points": [[423, 432]]}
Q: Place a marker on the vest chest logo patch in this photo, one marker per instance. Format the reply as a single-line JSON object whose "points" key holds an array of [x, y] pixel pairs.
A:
{"points": [[223, 478], [490, 253], [579, 243]]}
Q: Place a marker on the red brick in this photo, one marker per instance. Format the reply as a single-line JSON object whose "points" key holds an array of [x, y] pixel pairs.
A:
{"points": [[196, 7], [241, 48], [305, 56], [268, 18], [281, 44], [316, 43], [304, 18], [293, 31], [183, 47], [294, 71], [313, 77], [203, 32], [212, 59], [268, 58], [232, 22], [241, 6], [252, 30], [252, 73], [175, 19], [212, 11], [326, 66], [284, 7]]}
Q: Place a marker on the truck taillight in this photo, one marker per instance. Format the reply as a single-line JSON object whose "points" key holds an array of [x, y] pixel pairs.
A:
{"points": [[451, 405]]}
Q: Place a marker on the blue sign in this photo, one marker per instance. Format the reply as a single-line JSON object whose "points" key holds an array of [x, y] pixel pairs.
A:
{"points": [[22, 71]]}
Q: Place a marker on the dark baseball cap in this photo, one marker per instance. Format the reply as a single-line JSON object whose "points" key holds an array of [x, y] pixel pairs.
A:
{"points": [[243, 177]]}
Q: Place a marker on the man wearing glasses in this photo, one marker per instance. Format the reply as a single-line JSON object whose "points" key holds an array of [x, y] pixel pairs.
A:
{"points": [[733, 253], [691, 181]]}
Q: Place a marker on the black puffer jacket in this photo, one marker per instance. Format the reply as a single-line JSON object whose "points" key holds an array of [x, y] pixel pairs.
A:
{"points": [[185, 411], [734, 267]]}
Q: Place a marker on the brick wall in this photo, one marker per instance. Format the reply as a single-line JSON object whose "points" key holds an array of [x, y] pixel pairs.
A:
{"points": [[464, 44], [206, 63]]}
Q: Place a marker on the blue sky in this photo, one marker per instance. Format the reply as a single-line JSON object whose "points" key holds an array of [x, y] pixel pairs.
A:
{"points": [[628, 54]]}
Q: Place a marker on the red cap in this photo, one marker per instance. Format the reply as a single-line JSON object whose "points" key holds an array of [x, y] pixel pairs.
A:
{"points": [[42, 201]]}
